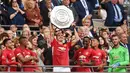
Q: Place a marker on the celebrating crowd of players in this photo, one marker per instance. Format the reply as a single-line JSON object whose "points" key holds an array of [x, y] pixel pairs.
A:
{"points": [[62, 47], [80, 45]]}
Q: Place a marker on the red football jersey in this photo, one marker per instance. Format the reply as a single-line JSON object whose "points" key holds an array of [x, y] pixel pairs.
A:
{"points": [[8, 58], [27, 53], [60, 57], [18, 51], [83, 55], [98, 56]]}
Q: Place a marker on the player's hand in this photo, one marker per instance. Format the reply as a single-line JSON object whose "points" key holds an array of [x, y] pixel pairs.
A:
{"points": [[75, 62], [82, 63], [31, 58], [73, 24], [92, 62], [100, 66], [115, 65], [19, 65], [33, 62]]}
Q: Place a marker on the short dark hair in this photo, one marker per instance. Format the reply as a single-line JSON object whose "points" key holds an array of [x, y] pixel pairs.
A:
{"points": [[5, 41], [96, 38], [21, 38], [114, 36], [87, 37]]}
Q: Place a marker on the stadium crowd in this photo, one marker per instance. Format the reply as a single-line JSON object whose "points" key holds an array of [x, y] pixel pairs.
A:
{"points": [[81, 44]]}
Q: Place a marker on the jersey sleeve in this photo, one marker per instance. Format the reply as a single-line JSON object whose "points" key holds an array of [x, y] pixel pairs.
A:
{"points": [[126, 57], [104, 55], [53, 42], [17, 52], [75, 57], [33, 54], [5, 59], [69, 45]]}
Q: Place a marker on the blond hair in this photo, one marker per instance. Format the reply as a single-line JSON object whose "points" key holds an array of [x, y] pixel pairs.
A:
{"points": [[87, 18]]}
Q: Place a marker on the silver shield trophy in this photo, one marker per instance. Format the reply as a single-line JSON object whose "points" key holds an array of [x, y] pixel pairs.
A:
{"points": [[61, 16]]}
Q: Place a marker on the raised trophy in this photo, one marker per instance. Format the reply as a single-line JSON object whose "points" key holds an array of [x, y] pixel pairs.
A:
{"points": [[61, 16]]}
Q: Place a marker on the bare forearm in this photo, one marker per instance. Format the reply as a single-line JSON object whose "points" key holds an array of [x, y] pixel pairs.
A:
{"points": [[77, 38], [13, 15], [36, 59], [105, 63], [23, 60], [51, 32]]}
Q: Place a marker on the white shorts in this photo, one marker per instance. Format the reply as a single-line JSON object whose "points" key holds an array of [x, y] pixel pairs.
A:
{"points": [[61, 69]]}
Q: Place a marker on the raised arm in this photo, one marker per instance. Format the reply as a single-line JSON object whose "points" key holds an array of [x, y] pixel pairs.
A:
{"points": [[77, 38], [52, 36]]}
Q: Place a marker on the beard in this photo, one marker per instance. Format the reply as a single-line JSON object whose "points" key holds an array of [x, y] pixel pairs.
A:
{"points": [[116, 44], [85, 47]]}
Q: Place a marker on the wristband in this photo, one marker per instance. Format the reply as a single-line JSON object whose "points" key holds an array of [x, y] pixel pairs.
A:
{"points": [[15, 13]]}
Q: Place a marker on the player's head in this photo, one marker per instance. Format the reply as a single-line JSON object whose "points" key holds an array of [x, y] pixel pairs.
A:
{"points": [[86, 42], [95, 42], [8, 43], [23, 41], [115, 40], [60, 35]]}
